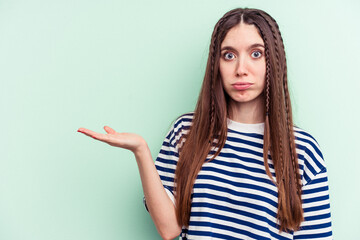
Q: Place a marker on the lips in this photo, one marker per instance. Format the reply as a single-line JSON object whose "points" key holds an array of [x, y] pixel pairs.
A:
{"points": [[242, 85]]}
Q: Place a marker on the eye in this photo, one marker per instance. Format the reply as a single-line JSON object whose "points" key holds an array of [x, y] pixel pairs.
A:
{"points": [[229, 56], [256, 54]]}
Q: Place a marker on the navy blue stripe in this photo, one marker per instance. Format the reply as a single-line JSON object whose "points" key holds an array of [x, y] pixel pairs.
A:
{"points": [[168, 179], [314, 236], [316, 199], [315, 180], [170, 189], [316, 226], [302, 132], [254, 135], [238, 203], [168, 170], [298, 145], [235, 211], [239, 175], [240, 165], [181, 120], [237, 184], [167, 143], [317, 208], [247, 142], [319, 180], [311, 169], [223, 236], [317, 150], [235, 193], [317, 162], [166, 161], [228, 219], [315, 190], [169, 153], [172, 137], [211, 234], [318, 217]]}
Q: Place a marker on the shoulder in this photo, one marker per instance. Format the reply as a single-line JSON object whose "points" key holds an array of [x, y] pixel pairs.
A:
{"points": [[311, 160], [180, 127], [183, 120]]}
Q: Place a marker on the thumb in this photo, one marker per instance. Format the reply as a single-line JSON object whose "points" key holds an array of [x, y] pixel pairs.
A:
{"points": [[109, 130]]}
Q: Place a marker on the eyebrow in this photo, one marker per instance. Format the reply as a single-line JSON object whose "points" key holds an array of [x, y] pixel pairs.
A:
{"points": [[233, 49]]}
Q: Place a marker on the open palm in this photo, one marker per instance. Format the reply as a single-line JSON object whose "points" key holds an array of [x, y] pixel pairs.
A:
{"points": [[130, 141]]}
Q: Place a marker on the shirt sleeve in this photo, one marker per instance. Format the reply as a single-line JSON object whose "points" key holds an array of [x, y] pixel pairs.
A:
{"points": [[168, 156], [315, 197]]}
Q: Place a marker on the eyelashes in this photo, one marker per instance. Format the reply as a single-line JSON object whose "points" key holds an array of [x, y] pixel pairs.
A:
{"points": [[228, 56], [258, 54]]}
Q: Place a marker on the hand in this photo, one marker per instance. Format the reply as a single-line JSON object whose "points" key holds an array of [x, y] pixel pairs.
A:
{"points": [[130, 141]]}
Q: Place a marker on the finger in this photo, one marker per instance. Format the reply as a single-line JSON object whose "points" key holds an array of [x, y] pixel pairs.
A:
{"points": [[86, 131], [109, 130], [89, 133], [98, 136]]}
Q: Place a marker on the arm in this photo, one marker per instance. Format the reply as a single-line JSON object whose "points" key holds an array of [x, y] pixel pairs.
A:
{"points": [[316, 205], [161, 208]]}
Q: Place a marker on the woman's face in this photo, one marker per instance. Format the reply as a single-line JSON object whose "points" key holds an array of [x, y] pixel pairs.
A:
{"points": [[242, 64]]}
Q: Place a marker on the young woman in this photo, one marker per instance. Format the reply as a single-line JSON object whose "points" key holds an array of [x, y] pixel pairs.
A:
{"points": [[236, 167]]}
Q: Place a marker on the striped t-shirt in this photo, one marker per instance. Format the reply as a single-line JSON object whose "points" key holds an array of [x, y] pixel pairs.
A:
{"points": [[233, 197]]}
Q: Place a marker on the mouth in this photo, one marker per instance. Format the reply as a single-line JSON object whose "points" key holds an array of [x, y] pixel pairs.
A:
{"points": [[242, 85]]}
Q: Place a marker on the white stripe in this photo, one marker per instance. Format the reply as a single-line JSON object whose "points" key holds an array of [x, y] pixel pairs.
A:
{"points": [[269, 186], [237, 216], [315, 194], [226, 232], [317, 213], [244, 162], [234, 197], [315, 231], [171, 196], [237, 189], [315, 204], [315, 222]]}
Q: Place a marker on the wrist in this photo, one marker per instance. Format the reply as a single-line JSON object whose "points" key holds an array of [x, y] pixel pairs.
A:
{"points": [[141, 151]]}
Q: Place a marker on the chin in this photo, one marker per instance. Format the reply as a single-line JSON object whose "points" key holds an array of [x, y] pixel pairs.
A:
{"points": [[245, 99]]}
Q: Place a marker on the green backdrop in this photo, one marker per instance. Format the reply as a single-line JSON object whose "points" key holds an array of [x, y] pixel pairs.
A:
{"points": [[136, 66]]}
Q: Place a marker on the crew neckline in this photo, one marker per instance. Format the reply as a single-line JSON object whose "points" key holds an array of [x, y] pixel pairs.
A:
{"points": [[246, 127]]}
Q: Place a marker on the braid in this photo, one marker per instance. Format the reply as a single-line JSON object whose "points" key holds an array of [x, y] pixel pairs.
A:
{"points": [[278, 116], [213, 75], [214, 43], [279, 96], [212, 87], [290, 130], [289, 120], [267, 133], [267, 84], [280, 162]]}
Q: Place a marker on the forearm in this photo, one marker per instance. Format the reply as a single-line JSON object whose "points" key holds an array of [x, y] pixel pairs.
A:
{"points": [[160, 206]]}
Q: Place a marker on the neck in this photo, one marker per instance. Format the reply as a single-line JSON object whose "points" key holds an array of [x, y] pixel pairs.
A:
{"points": [[248, 112]]}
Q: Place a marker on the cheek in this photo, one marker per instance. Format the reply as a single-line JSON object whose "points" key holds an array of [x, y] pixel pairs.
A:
{"points": [[262, 70], [225, 70], [222, 70], [261, 74]]}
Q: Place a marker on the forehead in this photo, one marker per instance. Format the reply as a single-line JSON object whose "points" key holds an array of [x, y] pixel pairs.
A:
{"points": [[242, 35]]}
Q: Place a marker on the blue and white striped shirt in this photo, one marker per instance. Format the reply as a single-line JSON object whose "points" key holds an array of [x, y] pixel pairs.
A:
{"points": [[233, 197]]}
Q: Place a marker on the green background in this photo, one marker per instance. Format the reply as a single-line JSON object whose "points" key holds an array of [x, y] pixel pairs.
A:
{"points": [[136, 66]]}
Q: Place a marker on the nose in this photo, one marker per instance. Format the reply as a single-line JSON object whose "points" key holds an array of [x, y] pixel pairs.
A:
{"points": [[241, 67]]}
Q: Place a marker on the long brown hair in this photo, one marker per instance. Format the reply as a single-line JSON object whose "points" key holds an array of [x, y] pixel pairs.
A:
{"points": [[210, 122]]}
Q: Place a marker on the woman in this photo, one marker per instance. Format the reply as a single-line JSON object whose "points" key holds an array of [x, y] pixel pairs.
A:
{"points": [[241, 169]]}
